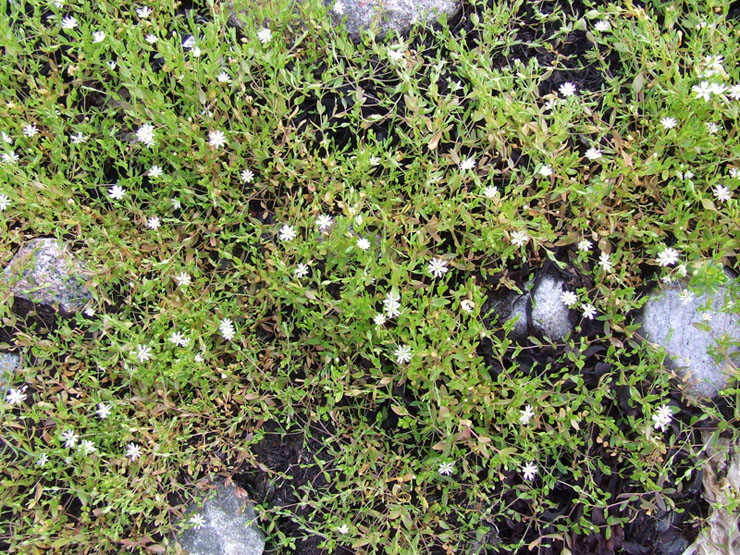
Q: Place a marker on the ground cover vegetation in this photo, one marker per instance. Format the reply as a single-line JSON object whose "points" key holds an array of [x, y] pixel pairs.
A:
{"points": [[295, 242]]}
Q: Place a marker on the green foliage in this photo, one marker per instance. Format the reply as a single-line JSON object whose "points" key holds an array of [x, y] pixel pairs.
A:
{"points": [[443, 149]]}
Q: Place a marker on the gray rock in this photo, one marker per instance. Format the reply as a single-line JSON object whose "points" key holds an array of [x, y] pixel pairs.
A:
{"points": [[674, 324], [380, 15], [43, 272], [549, 314], [9, 364], [228, 527], [389, 15]]}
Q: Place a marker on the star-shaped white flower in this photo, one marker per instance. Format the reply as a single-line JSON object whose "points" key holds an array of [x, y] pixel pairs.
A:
{"points": [[446, 468], [437, 267], [568, 298], [116, 192], [287, 233], [519, 238], [153, 223], [526, 415], [264, 35], [143, 353], [403, 354], [103, 411], [529, 471], [567, 89], [667, 257], [467, 164], [324, 222], [216, 139], [133, 451], [247, 176]]}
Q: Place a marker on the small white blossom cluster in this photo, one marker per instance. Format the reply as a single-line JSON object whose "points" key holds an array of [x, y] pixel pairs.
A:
{"points": [[662, 418]]}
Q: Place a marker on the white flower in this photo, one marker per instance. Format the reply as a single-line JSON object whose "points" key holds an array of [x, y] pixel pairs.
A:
{"points": [[403, 354], [374, 160], [8, 139], [662, 417], [338, 8], [343, 529], [199, 357], [175, 204], [392, 305], [437, 267], [30, 130], [265, 35], [153, 223], [89, 311], [467, 305], [519, 238], [734, 92], [703, 90], [735, 172], [247, 176], [604, 262], [668, 122], [667, 257], [226, 327], [78, 138], [589, 311], [4, 202], [526, 415], [216, 139], [529, 471], [287, 233], [224, 77], [15, 396], [301, 270], [42, 460], [446, 468], [490, 192], [151, 39], [178, 339], [10, 157], [98, 36], [112, 64], [717, 88], [87, 447], [602, 26], [143, 12], [69, 22], [183, 279], [116, 192], [712, 128], [567, 89], [467, 164], [133, 451], [324, 222], [396, 54], [188, 42], [155, 172], [379, 319], [70, 439], [722, 193], [568, 298], [143, 353], [363, 243], [593, 153], [103, 411], [145, 134], [545, 171], [195, 52], [197, 520]]}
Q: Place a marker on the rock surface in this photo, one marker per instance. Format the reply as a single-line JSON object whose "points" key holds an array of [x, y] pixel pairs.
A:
{"points": [[380, 15], [227, 527], [9, 364], [673, 323], [549, 314], [43, 272], [389, 15]]}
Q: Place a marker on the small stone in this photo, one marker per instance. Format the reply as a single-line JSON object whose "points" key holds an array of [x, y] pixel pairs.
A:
{"points": [[43, 272], [228, 527], [550, 316], [9, 364], [673, 322]]}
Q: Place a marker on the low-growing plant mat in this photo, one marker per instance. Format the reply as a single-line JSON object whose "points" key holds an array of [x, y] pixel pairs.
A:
{"points": [[298, 244]]}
